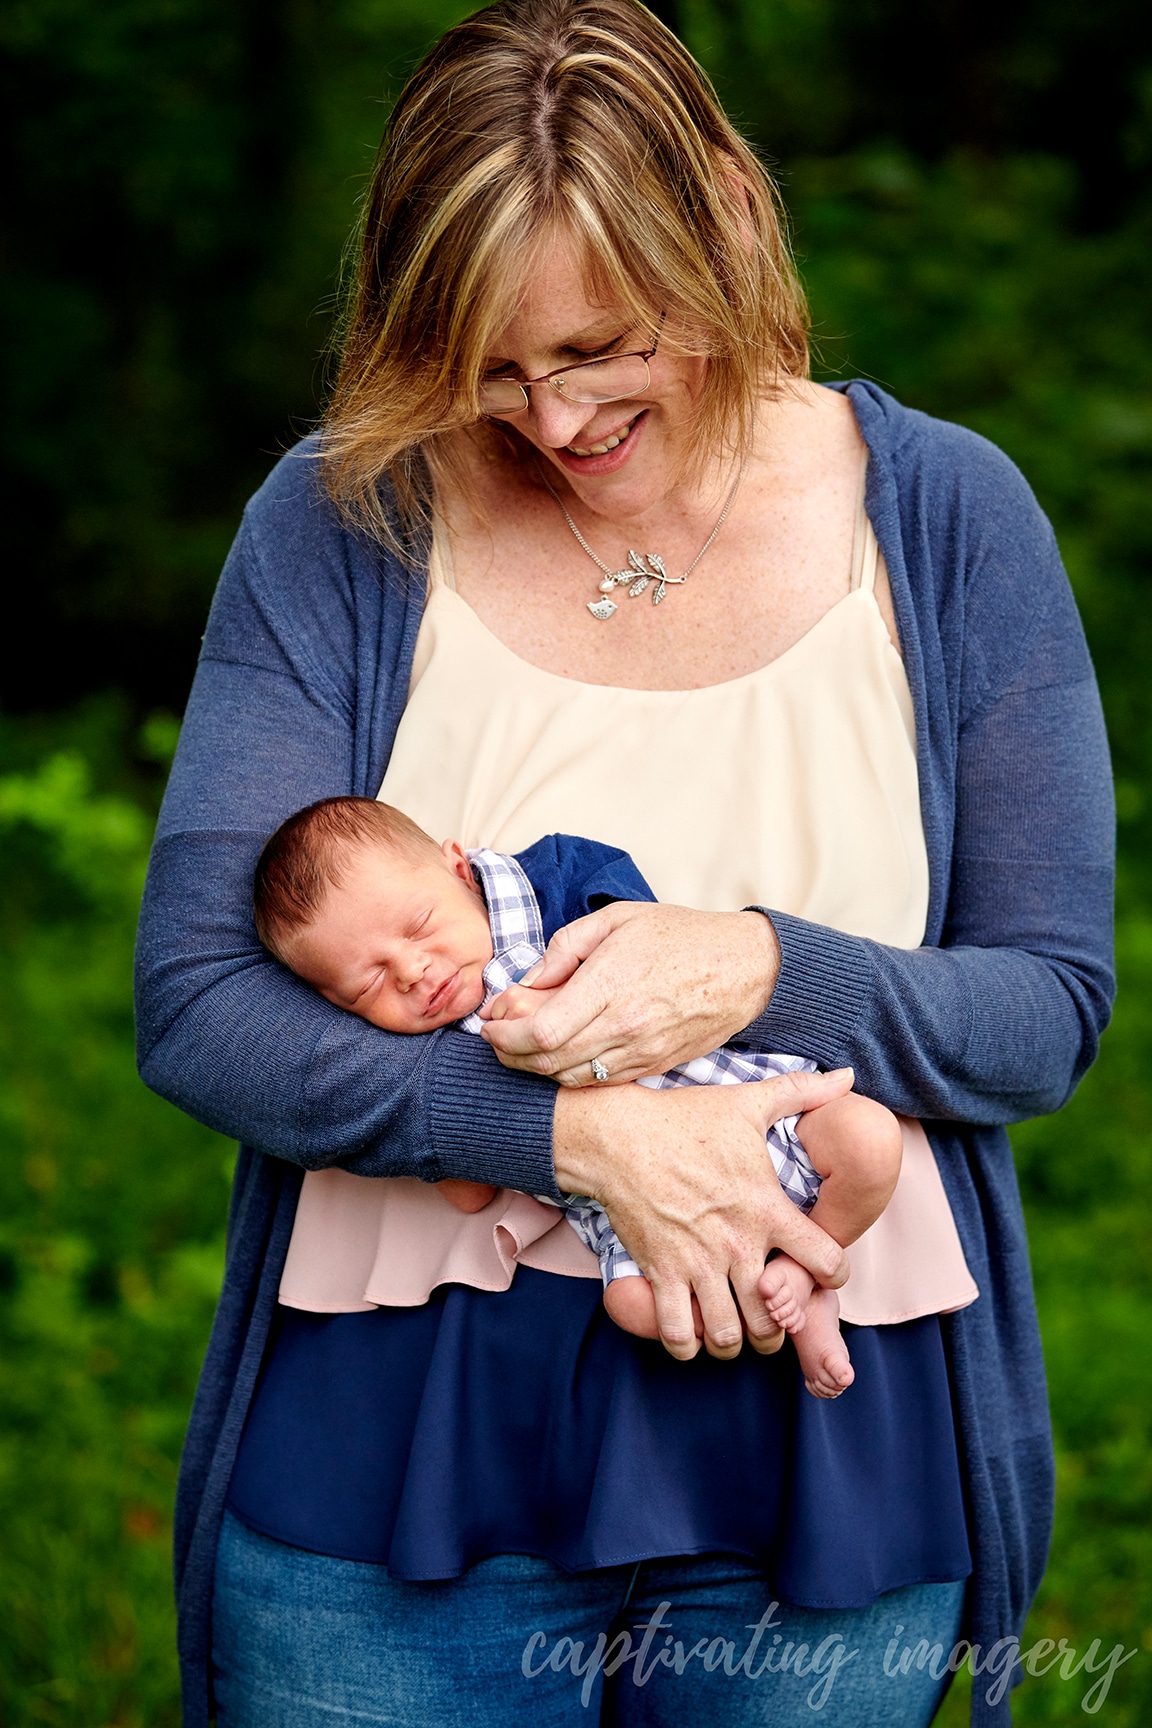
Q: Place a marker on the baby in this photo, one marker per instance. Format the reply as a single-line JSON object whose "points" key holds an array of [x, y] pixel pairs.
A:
{"points": [[412, 936]]}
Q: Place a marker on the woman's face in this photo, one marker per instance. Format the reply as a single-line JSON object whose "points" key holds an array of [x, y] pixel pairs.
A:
{"points": [[556, 324]]}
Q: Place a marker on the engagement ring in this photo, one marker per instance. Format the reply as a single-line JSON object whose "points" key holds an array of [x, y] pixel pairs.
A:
{"points": [[599, 1072]]}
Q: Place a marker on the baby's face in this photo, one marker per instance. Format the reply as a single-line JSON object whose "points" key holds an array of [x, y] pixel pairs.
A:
{"points": [[403, 944]]}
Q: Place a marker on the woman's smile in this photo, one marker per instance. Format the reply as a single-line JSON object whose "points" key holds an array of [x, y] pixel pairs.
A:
{"points": [[602, 455]]}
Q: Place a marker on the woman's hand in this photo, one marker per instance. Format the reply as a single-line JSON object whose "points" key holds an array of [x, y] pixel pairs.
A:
{"points": [[645, 988], [688, 1186]]}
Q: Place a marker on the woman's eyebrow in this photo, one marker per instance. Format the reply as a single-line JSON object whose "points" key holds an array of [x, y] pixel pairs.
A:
{"points": [[601, 337], [598, 336]]}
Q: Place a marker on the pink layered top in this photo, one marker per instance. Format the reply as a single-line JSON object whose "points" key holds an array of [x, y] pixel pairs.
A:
{"points": [[795, 786]]}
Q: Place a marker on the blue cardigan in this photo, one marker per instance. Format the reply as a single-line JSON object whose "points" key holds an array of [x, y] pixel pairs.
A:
{"points": [[300, 688]]}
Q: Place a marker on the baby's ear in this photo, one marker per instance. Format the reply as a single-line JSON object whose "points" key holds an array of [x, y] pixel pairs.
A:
{"points": [[458, 862]]}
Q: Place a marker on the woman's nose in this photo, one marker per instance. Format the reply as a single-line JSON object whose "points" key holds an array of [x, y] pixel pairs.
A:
{"points": [[556, 420]]}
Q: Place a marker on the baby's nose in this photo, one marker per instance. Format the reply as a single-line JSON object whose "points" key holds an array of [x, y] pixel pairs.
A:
{"points": [[408, 970]]}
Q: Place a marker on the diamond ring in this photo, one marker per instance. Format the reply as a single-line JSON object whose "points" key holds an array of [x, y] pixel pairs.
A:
{"points": [[599, 1072]]}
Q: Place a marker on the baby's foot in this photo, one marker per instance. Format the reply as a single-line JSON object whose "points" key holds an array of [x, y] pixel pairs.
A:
{"points": [[632, 1305], [819, 1345], [467, 1196], [786, 1287], [812, 1316]]}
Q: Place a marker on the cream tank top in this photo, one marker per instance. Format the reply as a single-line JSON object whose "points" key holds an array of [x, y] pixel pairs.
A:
{"points": [[794, 786]]}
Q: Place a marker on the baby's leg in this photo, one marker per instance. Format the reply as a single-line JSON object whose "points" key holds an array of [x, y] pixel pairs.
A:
{"points": [[628, 1297], [632, 1305], [855, 1146], [467, 1196]]}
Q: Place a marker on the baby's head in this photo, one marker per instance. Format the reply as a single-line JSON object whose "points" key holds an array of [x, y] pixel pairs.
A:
{"points": [[368, 909]]}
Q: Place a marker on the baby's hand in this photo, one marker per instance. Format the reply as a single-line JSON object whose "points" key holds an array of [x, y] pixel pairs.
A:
{"points": [[517, 1002]]}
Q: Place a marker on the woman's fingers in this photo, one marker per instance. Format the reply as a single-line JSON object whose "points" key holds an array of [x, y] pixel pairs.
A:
{"points": [[764, 1335], [723, 1329], [651, 985], [766, 1101], [571, 946], [674, 1319], [560, 1036], [723, 1332], [796, 1234]]}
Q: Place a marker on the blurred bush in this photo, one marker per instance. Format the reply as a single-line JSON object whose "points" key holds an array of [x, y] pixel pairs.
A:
{"points": [[111, 1249]]}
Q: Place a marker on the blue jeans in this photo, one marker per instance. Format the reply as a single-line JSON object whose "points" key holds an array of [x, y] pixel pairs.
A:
{"points": [[304, 1641]]}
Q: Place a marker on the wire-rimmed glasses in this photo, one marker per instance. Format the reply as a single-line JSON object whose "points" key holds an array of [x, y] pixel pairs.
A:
{"points": [[610, 380]]}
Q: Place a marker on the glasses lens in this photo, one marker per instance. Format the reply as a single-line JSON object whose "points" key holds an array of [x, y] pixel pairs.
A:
{"points": [[605, 380], [501, 396]]}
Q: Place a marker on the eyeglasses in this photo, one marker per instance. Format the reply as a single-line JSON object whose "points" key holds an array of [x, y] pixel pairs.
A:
{"points": [[610, 380]]}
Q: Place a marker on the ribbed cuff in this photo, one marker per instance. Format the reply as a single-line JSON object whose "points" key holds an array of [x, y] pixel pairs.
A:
{"points": [[824, 985], [489, 1123]]}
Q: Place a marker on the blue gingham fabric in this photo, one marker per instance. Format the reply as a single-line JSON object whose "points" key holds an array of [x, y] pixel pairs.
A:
{"points": [[517, 933], [518, 943]]}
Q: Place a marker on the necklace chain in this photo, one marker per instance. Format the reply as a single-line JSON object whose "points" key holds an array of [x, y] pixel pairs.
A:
{"points": [[642, 569]]}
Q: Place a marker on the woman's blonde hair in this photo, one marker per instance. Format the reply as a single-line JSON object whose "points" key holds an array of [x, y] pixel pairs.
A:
{"points": [[529, 120]]}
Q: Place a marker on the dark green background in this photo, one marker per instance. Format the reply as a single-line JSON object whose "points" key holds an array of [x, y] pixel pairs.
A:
{"points": [[969, 185]]}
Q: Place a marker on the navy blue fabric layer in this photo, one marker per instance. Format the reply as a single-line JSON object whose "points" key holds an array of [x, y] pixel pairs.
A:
{"points": [[525, 1422]]}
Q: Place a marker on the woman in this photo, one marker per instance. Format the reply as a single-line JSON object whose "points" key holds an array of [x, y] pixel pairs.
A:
{"points": [[575, 333]]}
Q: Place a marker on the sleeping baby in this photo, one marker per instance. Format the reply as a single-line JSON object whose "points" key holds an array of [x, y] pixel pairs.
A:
{"points": [[412, 936]]}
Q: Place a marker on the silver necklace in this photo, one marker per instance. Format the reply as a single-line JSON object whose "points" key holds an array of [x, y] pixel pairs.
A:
{"points": [[643, 568]]}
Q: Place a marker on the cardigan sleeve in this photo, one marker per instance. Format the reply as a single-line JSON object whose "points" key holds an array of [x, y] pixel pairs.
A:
{"points": [[224, 1031], [999, 1019]]}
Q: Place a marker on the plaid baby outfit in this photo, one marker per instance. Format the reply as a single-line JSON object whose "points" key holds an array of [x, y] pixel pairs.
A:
{"points": [[517, 944]]}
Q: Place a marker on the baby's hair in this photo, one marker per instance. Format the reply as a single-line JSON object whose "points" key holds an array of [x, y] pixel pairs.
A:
{"points": [[309, 854]]}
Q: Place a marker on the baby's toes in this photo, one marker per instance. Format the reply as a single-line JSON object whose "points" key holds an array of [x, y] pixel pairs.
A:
{"points": [[773, 1281], [786, 1311], [833, 1374]]}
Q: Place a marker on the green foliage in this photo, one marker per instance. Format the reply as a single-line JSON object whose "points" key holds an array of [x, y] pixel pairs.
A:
{"points": [[186, 172], [111, 1208]]}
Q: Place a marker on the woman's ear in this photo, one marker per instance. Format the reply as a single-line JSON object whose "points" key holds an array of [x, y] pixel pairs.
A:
{"points": [[458, 862]]}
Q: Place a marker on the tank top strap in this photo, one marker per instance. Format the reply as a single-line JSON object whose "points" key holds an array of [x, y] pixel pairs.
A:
{"points": [[441, 571], [865, 547]]}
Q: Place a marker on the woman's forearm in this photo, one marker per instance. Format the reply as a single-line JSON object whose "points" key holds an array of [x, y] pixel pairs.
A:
{"points": [[275, 720], [232, 1038]]}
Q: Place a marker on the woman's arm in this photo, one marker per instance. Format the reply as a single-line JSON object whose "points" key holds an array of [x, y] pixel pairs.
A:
{"points": [[303, 627]]}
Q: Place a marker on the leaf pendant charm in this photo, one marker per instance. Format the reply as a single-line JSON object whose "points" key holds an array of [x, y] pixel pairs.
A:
{"points": [[646, 568], [601, 609], [659, 592]]}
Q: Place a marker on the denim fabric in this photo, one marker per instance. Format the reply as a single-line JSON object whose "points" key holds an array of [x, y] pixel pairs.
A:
{"points": [[301, 1641], [301, 684]]}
